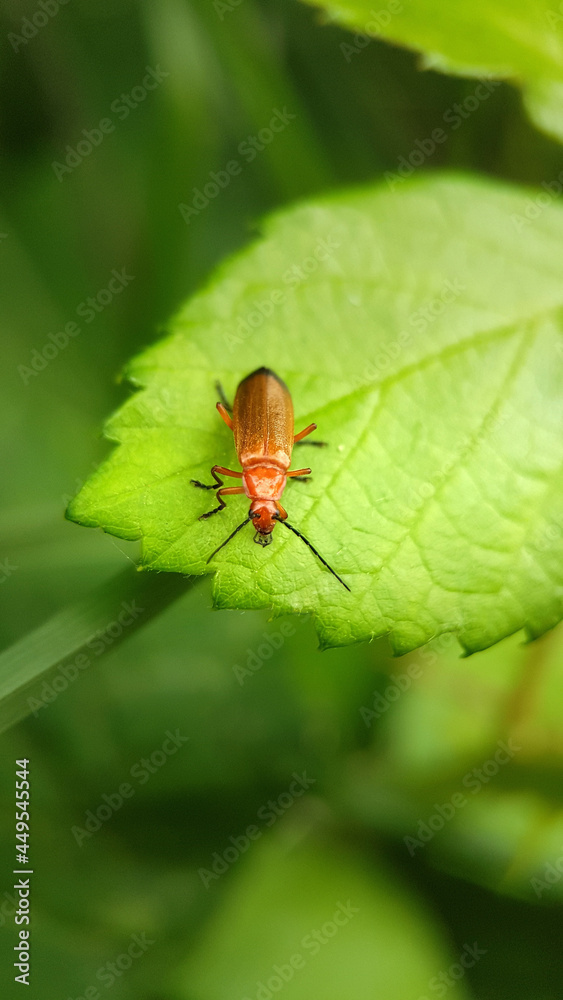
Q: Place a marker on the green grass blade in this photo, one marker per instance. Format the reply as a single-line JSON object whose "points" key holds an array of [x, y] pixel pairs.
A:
{"points": [[34, 670]]}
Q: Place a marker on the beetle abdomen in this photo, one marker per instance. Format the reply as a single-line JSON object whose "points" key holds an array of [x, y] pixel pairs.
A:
{"points": [[263, 419]]}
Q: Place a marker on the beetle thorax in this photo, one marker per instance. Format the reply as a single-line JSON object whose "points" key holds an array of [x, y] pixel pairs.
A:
{"points": [[264, 482]]}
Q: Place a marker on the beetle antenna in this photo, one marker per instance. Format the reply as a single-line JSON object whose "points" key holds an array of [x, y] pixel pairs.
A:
{"points": [[232, 535], [313, 549]]}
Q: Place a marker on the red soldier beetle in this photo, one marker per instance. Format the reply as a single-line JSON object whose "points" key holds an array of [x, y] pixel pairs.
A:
{"points": [[262, 424]]}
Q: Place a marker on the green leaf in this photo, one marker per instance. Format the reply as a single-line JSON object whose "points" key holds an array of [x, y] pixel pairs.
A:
{"points": [[421, 328], [508, 39], [307, 915]]}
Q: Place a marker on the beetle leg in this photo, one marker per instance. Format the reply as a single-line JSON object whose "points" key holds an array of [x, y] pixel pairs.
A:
{"points": [[298, 439], [281, 512], [299, 474], [226, 472], [227, 490], [224, 413], [203, 486], [302, 434], [218, 482], [221, 393]]}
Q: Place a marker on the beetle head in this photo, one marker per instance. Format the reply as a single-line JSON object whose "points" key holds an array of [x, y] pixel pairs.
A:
{"points": [[262, 516]]}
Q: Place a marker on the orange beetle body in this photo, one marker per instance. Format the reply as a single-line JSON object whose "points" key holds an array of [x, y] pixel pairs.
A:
{"points": [[262, 424], [263, 430]]}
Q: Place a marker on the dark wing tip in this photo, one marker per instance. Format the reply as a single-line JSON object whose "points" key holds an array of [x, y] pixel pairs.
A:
{"points": [[266, 372]]}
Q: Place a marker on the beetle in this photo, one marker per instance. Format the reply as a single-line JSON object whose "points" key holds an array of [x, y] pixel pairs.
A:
{"points": [[262, 424]]}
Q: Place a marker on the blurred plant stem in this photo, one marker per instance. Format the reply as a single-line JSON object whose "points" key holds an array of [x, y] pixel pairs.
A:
{"points": [[522, 703]]}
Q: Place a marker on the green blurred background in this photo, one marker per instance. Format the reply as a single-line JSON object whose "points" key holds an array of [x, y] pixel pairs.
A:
{"points": [[383, 753]]}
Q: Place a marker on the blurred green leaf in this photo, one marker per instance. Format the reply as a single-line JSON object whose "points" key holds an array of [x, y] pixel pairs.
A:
{"points": [[470, 774], [508, 39], [255, 708], [307, 917], [439, 497], [35, 670]]}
